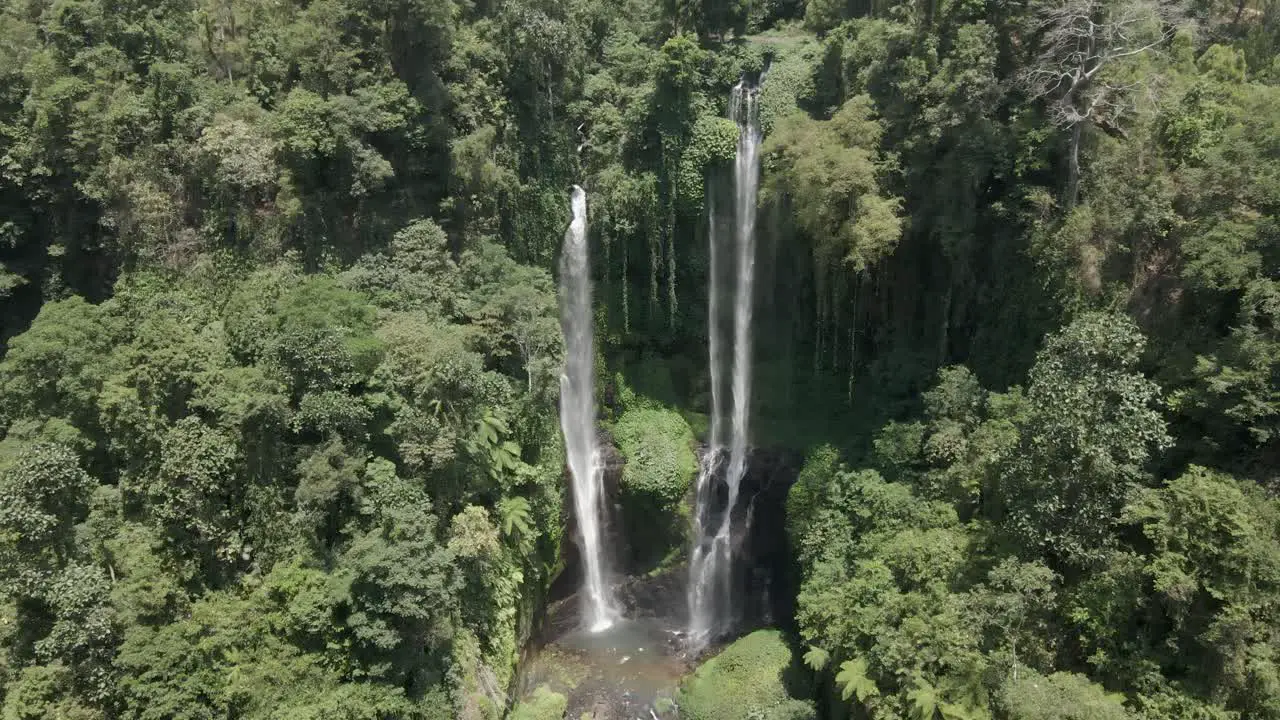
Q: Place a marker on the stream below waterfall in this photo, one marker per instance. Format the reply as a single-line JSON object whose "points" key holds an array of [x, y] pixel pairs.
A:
{"points": [[630, 670]]}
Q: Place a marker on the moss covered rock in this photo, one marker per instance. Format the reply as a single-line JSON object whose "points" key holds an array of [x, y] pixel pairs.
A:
{"points": [[544, 704], [660, 468], [658, 445], [755, 677]]}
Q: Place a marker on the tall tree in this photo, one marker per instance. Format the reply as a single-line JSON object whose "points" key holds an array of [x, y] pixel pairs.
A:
{"points": [[1080, 70]]}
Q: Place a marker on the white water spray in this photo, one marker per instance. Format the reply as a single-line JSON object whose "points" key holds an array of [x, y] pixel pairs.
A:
{"points": [[711, 606], [578, 416]]}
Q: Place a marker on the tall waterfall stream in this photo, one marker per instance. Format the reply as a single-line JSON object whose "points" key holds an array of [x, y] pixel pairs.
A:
{"points": [[712, 609], [578, 417]]}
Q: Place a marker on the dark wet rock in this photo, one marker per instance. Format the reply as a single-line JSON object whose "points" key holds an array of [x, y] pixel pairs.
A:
{"points": [[767, 581], [660, 596]]}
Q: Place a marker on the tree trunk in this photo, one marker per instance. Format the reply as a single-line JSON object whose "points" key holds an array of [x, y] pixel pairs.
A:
{"points": [[944, 334], [626, 292], [1073, 168], [836, 302]]}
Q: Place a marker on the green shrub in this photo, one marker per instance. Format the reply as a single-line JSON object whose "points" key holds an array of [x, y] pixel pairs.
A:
{"points": [[658, 446], [790, 81], [1061, 696], [544, 704], [754, 677], [661, 465], [714, 142], [806, 495], [792, 710]]}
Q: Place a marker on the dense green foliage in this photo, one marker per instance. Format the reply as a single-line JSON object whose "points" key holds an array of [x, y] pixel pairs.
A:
{"points": [[272, 494], [1080, 520], [758, 676], [280, 350], [545, 704], [1009, 542], [658, 448]]}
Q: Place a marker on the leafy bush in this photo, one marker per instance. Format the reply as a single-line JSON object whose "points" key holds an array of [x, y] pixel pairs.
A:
{"points": [[714, 142], [658, 447], [544, 704], [792, 710], [1061, 696], [753, 677]]}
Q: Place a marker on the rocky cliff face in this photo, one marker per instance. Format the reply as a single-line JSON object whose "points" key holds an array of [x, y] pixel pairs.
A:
{"points": [[764, 578], [767, 581], [569, 580], [633, 669]]}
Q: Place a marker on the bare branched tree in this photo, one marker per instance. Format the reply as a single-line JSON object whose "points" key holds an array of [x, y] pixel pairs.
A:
{"points": [[1079, 41]]}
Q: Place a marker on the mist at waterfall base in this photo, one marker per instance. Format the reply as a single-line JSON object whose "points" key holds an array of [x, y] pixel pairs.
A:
{"points": [[718, 523], [578, 417]]}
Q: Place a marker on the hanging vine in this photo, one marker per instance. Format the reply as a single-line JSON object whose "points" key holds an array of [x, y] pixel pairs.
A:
{"points": [[672, 303], [853, 333], [626, 295]]}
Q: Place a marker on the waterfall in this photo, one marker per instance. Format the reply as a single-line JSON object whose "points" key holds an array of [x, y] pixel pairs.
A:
{"points": [[578, 415], [710, 597], [715, 327], [746, 185]]}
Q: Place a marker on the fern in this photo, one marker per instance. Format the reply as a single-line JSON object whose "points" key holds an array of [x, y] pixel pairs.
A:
{"points": [[854, 682], [955, 711], [514, 514], [924, 700], [497, 423], [510, 454], [967, 697], [500, 456], [816, 658]]}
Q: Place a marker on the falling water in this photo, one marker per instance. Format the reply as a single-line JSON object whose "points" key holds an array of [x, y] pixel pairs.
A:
{"points": [[711, 608], [746, 185], [578, 417], [715, 327]]}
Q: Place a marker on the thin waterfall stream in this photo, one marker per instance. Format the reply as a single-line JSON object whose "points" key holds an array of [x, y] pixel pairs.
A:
{"points": [[578, 417], [710, 598]]}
